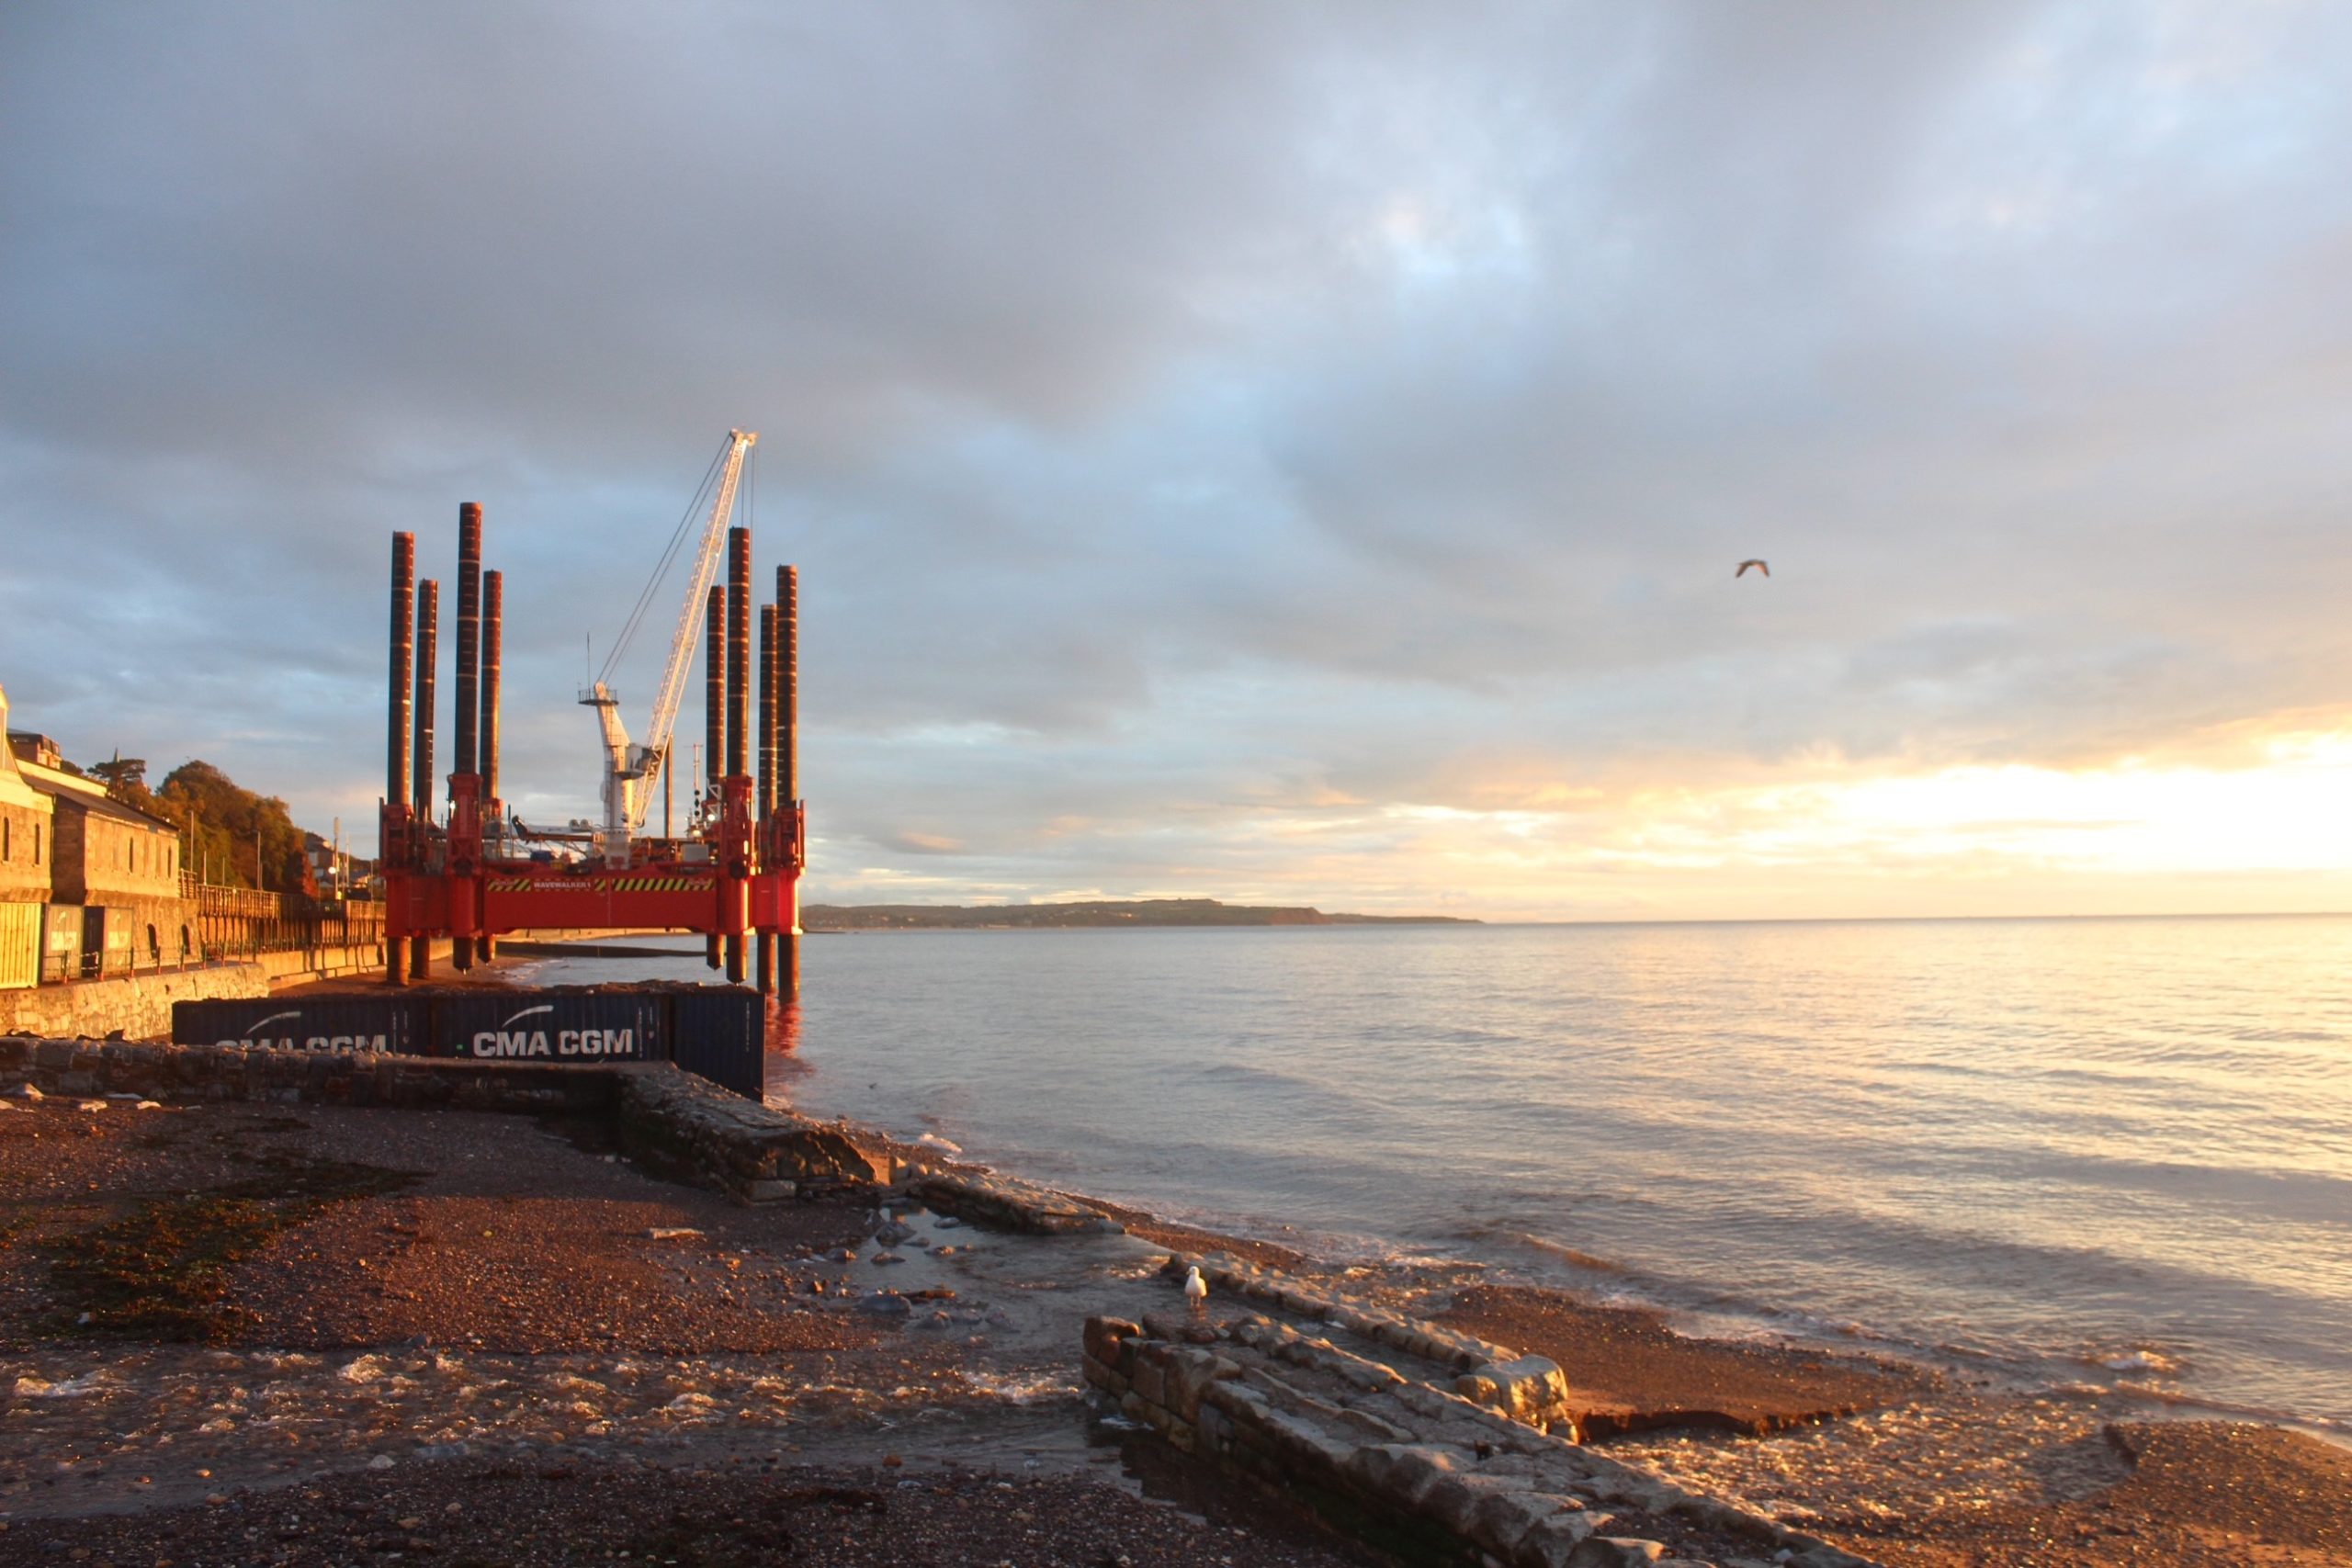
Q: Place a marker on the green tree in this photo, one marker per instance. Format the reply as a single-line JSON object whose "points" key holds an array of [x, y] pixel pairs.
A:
{"points": [[235, 837]]}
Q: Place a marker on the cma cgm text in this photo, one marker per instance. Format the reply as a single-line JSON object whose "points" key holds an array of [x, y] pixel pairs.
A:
{"points": [[563, 1043]]}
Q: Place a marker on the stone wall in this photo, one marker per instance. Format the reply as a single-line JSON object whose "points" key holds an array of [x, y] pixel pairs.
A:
{"points": [[754, 1152], [138, 1006], [705, 1133], [186, 1073]]}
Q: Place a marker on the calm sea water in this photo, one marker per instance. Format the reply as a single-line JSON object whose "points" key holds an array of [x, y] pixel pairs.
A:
{"points": [[2103, 1151]]}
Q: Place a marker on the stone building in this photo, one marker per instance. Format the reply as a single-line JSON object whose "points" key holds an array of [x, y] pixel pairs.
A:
{"points": [[113, 881], [28, 846]]}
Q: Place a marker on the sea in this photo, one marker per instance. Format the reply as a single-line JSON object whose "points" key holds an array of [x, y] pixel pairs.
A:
{"points": [[2090, 1155]]}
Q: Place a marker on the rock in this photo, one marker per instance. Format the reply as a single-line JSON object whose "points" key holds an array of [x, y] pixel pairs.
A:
{"points": [[1616, 1551], [669, 1232], [27, 1091], [381, 1461], [887, 1258], [91, 1105], [884, 1304]]}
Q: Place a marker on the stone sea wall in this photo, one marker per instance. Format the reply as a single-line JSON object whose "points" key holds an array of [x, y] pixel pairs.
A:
{"points": [[217, 1073], [707, 1135], [138, 1006], [754, 1152]]}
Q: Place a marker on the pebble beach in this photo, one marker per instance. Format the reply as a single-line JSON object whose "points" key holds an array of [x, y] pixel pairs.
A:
{"points": [[301, 1334]]}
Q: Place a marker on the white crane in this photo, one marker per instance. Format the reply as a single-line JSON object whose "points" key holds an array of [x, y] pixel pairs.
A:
{"points": [[632, 771]]}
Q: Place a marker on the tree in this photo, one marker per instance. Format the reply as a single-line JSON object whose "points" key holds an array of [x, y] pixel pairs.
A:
{"points": [[234, 837]]}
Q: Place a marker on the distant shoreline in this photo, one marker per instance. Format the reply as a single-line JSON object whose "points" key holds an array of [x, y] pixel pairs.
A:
{"points": [[1097, 914]]}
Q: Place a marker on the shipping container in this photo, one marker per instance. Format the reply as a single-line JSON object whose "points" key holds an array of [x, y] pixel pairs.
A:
{"points": [[20, 927], [576, 1026], [720, 1032], [62, 950], [338, 1021]]}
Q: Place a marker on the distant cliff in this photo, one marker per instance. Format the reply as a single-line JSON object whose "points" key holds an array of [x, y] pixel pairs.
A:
{"points": [[1040, 917]]}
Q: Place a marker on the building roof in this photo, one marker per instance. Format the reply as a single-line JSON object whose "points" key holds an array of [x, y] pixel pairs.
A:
{"points": [[89, 794], [14, 790]]}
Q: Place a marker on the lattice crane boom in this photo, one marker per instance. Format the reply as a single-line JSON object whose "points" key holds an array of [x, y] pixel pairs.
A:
{"points": [[645, 761]]}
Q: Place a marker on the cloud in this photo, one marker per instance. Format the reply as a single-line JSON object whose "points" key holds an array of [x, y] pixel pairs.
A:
{"points": [[1190, 420]]}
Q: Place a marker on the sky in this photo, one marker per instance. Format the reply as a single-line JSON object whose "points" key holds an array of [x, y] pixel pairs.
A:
{"points": [[1288, 453]]}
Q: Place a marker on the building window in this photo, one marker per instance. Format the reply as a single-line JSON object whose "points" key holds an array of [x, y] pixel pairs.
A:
{"points": [[7, 852], [35, 843], [155, 947]]}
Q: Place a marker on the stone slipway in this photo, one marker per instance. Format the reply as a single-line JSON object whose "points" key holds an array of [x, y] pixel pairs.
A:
{"points": [[1435, 1444]]}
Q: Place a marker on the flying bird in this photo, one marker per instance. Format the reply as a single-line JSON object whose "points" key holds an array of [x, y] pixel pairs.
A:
{"points": [[1757, 564], [1196, 1290]]}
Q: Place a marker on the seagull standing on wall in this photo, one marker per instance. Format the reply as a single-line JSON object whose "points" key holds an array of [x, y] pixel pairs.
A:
{"points": [[1196, 1290], [1757, 564]]}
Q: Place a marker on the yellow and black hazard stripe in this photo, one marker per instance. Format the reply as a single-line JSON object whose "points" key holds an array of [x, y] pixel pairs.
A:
{"points": [[602, 885]]}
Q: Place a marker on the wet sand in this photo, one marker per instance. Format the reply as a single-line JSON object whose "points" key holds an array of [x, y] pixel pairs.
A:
{"points": [[264, 1334], [1629, 1373]]}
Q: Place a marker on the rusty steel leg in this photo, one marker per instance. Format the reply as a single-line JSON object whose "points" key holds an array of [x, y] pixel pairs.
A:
{"points": [[428, 649], [787, 754], [713, 724], [764, 962], [739, 651], [396, 745], [494, 622], [466, 710]]}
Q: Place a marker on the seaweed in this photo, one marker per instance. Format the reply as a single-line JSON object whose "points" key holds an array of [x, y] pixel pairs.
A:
{"points": [[162, 1271]]}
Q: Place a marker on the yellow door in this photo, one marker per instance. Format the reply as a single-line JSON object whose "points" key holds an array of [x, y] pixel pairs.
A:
{"points": [[19, 945]]}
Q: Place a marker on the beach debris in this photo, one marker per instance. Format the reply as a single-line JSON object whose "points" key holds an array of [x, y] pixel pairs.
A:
{"points": [[27, 1091], [1757, 564], [92, 1105], [1196, 1290], [666, 1232]]}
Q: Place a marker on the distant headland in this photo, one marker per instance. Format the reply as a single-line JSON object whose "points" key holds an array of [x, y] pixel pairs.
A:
{"points": [[1091, 913]]}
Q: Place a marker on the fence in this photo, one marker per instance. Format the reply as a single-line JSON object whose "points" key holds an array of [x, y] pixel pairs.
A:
{"points": [[238, 922]]}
